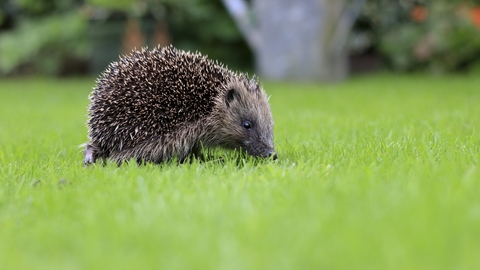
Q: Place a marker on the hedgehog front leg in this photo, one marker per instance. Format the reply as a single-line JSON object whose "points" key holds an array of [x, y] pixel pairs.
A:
{"points": [[90, 155], [197, 153]]}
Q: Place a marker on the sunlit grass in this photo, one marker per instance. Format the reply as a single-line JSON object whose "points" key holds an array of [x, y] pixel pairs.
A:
{"points": [[380, 172]]}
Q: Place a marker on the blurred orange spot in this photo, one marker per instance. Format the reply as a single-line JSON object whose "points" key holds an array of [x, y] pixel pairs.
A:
{"points": [[419, 13], [475, 16]]}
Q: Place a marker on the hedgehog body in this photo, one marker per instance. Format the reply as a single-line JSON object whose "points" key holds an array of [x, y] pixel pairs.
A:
{"points": [[155, 105]]}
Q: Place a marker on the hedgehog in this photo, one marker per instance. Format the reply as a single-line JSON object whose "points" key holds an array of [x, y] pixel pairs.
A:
{"points": [[165, 103]]}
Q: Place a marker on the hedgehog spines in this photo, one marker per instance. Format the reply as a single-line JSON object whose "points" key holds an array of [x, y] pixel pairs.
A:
{"points": [[159, 103]]}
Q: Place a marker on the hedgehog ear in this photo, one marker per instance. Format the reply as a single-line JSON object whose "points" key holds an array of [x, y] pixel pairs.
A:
{"points": [[231, 95]]}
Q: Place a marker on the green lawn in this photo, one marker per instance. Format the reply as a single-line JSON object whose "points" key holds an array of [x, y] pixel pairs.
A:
{"points": [[380, 172]]}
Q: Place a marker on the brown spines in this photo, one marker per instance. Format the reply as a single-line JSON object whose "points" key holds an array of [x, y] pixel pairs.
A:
{"points": [[149, 94]]}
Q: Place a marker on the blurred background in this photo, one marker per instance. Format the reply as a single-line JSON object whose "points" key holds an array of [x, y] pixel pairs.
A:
{"points": [[303, 40]]}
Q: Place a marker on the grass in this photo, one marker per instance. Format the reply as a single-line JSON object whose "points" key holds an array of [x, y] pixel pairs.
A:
{"points": [[380, 172]]}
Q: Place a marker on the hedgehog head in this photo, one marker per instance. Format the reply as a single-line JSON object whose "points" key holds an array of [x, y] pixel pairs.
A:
{"points": [[244, 120]]}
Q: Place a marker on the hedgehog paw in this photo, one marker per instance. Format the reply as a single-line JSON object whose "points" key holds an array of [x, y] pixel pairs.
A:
{"points": [[90, 156]]}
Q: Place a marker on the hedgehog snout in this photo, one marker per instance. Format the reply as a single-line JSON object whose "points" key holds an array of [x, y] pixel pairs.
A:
{"points": [[273, 155], [269, 155], [261, 151], [263, 147]]}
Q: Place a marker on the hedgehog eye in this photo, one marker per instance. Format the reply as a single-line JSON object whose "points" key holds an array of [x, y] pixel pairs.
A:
{"points": [[247, 125]]}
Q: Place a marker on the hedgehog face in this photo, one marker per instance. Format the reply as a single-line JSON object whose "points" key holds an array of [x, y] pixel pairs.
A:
{"points": [[246, 122]]}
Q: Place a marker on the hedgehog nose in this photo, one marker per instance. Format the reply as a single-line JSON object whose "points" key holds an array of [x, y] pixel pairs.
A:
{"points": [[273, 155]]}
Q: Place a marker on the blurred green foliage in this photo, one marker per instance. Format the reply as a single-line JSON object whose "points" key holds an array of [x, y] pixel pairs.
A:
{"points": [[434, 35], [47, 34], [116, 4], [44, 36], [42, 45], [44, 7]]}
